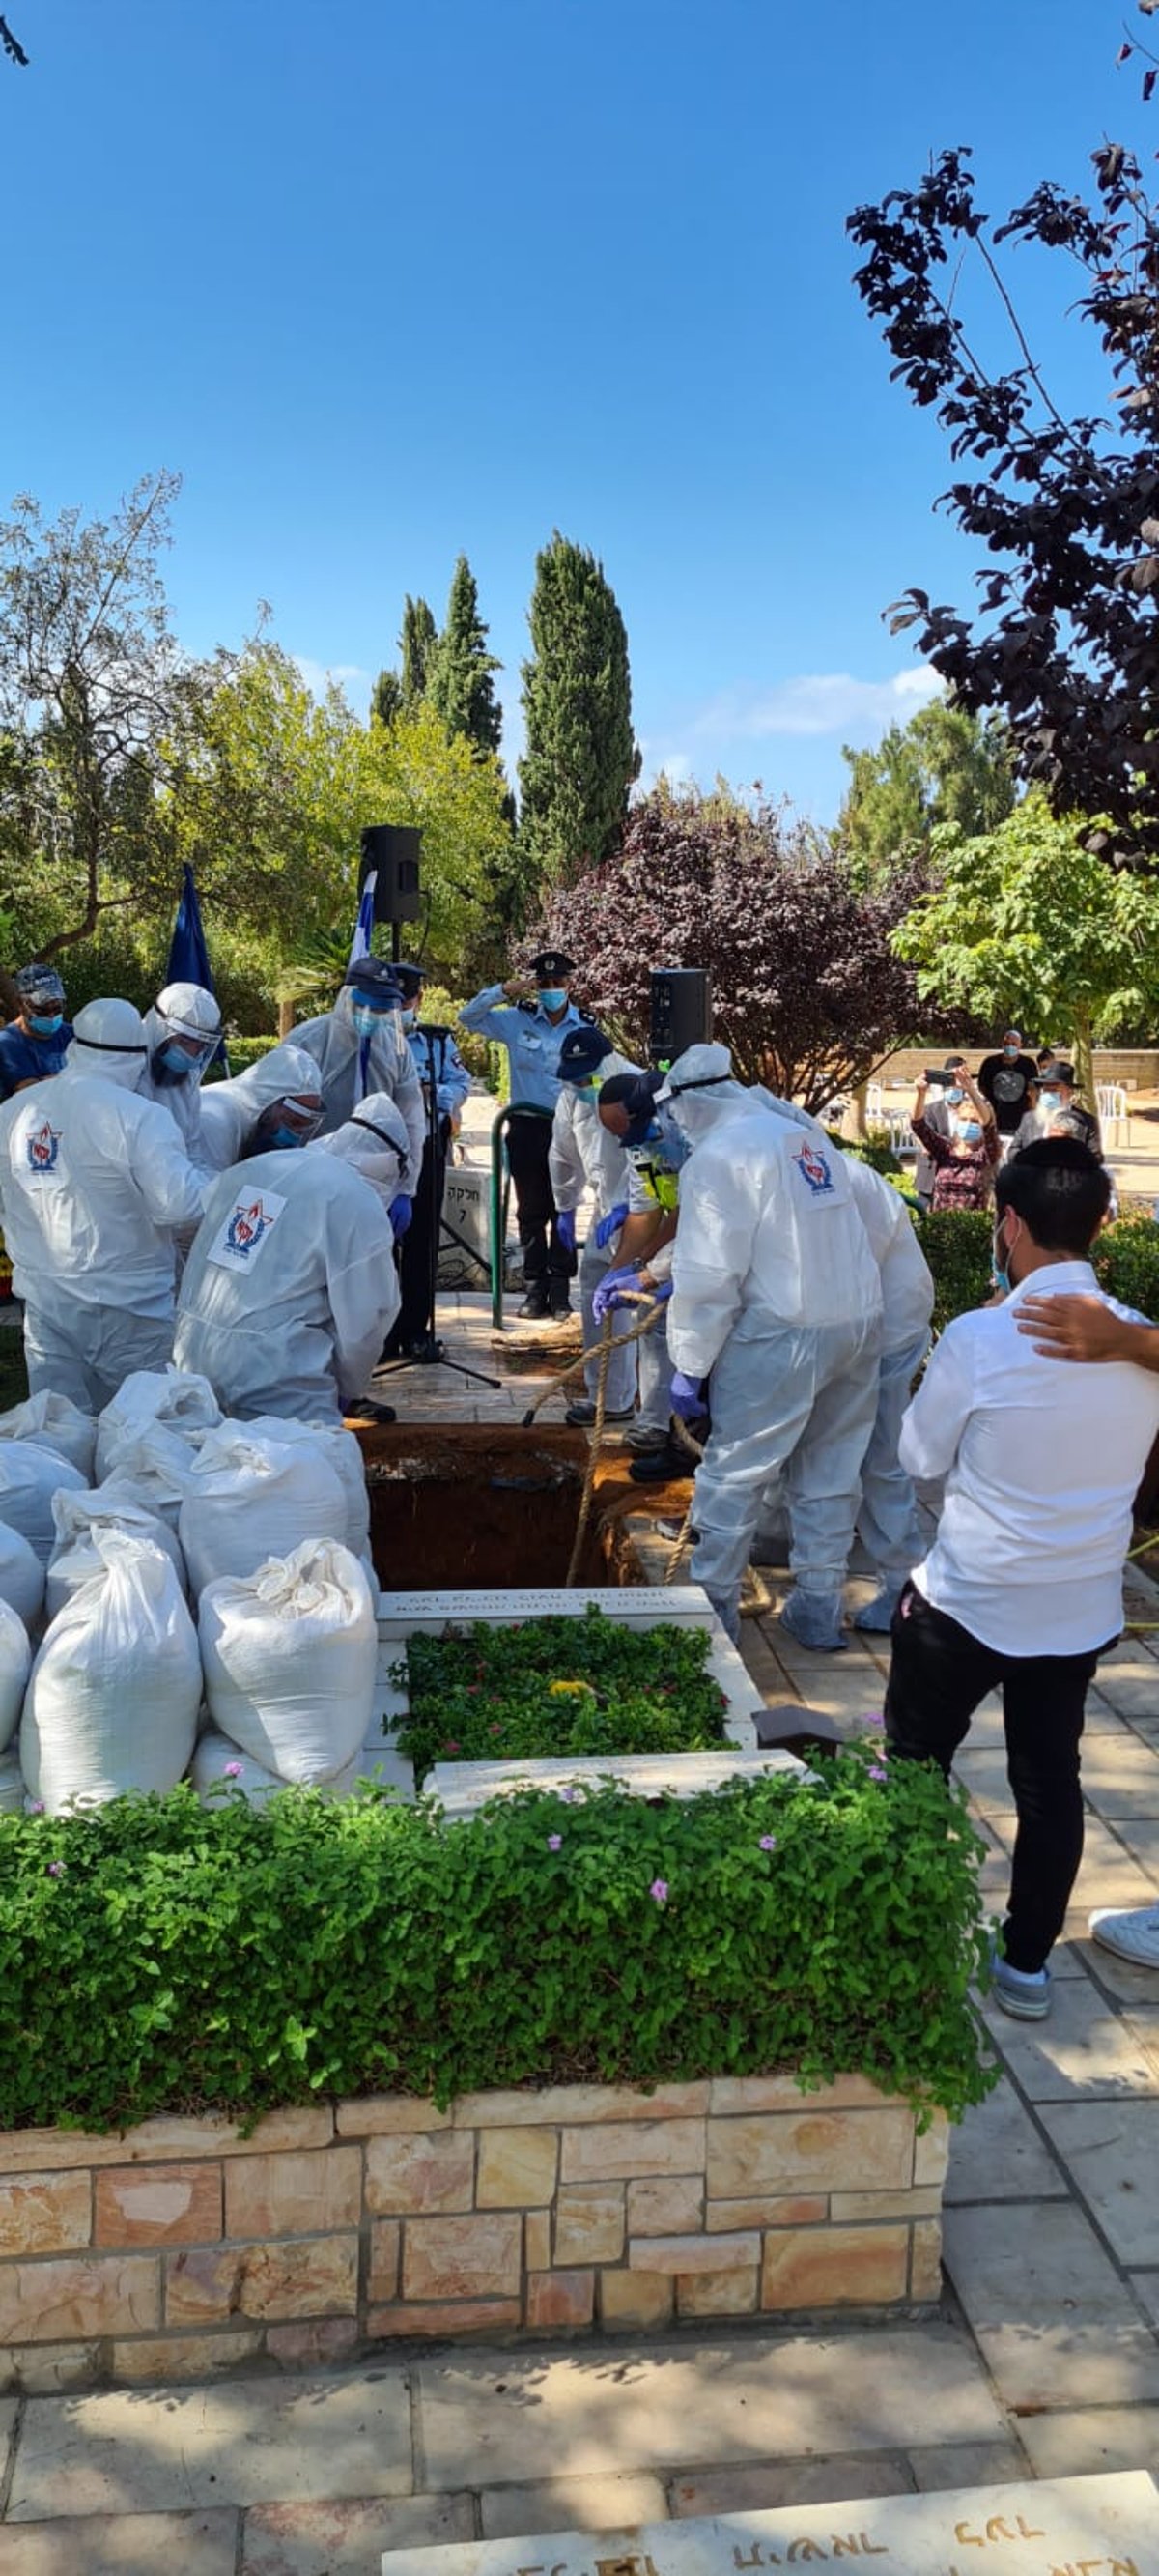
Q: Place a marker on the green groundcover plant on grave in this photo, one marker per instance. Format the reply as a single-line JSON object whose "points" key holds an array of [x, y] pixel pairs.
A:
{"points": [[162, 1956], [546, 1686]]}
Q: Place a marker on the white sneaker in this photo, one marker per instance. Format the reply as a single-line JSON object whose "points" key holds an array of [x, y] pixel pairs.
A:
{"points": [[1133, 1936]]}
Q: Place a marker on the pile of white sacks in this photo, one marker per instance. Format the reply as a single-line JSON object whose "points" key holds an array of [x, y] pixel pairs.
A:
{"points": [[179, 1592]]}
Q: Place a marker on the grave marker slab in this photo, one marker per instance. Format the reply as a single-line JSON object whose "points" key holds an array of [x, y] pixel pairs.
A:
{"points": [[1099, 2526]]}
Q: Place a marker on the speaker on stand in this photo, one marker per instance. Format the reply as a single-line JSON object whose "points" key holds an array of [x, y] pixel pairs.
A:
{"points": [[680, 1000], [394, 851]]}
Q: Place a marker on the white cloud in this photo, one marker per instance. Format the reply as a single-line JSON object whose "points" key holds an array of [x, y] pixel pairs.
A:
{"points": [[347, 675], [826, 702]]}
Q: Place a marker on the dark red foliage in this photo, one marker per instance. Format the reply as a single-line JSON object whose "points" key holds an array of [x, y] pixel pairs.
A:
{"points": [[807, 991]]}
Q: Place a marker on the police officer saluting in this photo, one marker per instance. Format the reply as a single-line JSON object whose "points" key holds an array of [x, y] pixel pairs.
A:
{"points": [[532, 1021]]}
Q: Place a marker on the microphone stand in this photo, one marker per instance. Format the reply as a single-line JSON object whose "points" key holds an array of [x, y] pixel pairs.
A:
{"points": [[431, 1352]]}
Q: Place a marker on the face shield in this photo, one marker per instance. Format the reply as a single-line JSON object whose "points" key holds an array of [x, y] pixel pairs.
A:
{"points": [[700, 1086], [290, 1121], [184, 1032]]}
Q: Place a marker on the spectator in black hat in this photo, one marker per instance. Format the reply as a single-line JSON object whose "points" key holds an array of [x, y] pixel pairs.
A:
{"points": [[1056, 1101], [532, 1020]]}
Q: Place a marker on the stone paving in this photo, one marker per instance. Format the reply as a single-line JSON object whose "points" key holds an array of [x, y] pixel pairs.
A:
{"points": [[1044, 2360]]}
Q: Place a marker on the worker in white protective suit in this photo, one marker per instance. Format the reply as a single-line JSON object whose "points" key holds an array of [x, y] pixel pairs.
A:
{"points": [[888, 1523], [641, 1232], [777, 1304], [361, 1046], [291, 1286], [95, 1185], [276, 1103], [182, 1034], [584, 1155]]}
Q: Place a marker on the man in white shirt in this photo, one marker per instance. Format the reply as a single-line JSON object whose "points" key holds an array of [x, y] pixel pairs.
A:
{"points": [[1023, 1587]]}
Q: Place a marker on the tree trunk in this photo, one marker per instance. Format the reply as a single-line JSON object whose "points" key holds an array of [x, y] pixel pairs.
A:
{"points": [[861, 1112], [1084, 1062], [285, 1018]]}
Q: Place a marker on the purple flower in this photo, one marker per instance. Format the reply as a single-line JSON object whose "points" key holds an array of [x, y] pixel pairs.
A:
{"points": [[768, 1842], [659, 1891], [567, 1797], [877, 1771], [36, 1806], [555, 1842], [875, 1719], [55, 1869], [232, 1771]]}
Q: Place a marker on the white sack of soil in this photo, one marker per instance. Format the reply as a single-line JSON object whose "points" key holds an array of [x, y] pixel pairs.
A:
{"points": [[21, 1576], [75, 1559], [115, 1690], [54, 1422], [341, 1450], [15, 1666], [250, 1498], [290, 1657], [219, 1766], [29, 1477], [182, 1403], [152, 1467]]}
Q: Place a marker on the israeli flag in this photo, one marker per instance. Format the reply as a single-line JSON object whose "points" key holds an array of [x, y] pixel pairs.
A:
{"points": [[360, 944]]}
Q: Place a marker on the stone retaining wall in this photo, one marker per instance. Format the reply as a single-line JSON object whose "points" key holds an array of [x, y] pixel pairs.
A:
{"points": [[183, 2248], [1137, 1068]]}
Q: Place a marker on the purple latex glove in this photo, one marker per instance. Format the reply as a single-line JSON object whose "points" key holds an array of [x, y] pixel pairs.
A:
{"points": [[400, 1212], [687, 1400], [565, 1228], [610, 1225], [608, 1293], [662, 1291]]}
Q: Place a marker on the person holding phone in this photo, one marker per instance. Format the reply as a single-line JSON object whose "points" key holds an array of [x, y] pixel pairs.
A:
{"points": [[965, 1157]]}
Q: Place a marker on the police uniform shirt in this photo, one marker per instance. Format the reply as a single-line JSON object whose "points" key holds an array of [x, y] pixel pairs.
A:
{"points": [[455, 1081], [532, 1040]]}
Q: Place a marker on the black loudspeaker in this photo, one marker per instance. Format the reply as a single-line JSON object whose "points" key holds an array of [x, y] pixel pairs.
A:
{"points": [[395, 850], [681, 1007]]}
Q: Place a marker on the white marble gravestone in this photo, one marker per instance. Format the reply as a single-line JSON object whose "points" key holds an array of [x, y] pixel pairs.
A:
{"points": [[1103, 2526]]}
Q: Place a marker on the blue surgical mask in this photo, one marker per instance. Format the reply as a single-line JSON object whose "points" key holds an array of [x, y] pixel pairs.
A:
{"points": [[171, 1064], [955, 1098], [282, 1138], [409, 1018], [552, 997], [48, 1026], [970, 1129], [998, 1264], [676, 1146], [1011, 1054], [366, 1019], [1050, 1101]]}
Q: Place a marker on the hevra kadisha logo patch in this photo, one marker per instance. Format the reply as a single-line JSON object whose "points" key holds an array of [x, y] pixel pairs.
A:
{"points": [[814, 1169], [248, 1226], [42, 1146]]}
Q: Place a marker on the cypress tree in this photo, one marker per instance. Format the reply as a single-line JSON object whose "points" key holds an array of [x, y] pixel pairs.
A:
{"points": [[581, 756], [386, 697], [459, 673], [416, 644]]}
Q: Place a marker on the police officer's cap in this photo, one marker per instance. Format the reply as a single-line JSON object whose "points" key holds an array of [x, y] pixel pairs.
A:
{"points": [[582, 1053], [551, 966], [409, 979], [374, 977]]}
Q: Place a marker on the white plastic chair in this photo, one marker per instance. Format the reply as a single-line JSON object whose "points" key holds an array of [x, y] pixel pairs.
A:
{"points": [[1111, 1103], [873, 1103]]}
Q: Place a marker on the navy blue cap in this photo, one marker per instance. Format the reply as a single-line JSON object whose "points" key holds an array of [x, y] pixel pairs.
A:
{"points": [[550, 966], [409, 979], [582, 1053], [374, 979]]}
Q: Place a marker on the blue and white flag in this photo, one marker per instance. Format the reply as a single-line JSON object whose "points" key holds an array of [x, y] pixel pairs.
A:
{"points": [[188, 954], [360, 944]]}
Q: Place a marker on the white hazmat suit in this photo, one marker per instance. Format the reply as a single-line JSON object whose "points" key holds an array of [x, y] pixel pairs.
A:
{"points": [[777, 1300], [183, 1026], [291, 1288], [887, 1520], [585, 1155], [94, 1186], [352, 1067], [230, 1110]]}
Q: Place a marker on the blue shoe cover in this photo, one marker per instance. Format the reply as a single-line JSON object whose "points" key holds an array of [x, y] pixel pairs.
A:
{"points": [[814, 1619]]}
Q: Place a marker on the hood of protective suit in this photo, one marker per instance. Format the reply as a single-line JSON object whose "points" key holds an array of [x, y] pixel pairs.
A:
{"points": [[108, 1038], [230, 1110], [701, 1089], [374, 1142], [185, 1011]]}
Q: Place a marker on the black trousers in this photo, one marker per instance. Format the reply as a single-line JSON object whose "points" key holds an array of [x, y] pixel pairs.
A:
{"points": [[938, 1677], [545, 1261], [414, 1252]]}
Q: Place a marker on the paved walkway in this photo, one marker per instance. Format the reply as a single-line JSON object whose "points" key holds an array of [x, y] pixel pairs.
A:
{"points": [[1043, 2361]]}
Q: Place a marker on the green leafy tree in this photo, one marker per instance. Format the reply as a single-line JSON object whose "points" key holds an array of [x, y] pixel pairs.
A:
{"points": [[456, 796], [416, 644], [386, 697], [92, 688], [944, 766], [459, 670], [1025, 925], [581, 755]]}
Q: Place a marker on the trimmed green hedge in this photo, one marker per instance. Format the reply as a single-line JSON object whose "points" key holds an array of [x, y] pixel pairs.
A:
{"points": [[957, 1243], [159, 1955]]}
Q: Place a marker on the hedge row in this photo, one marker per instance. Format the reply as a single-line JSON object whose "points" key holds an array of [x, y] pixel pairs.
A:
{"points": [[162, 1956]]}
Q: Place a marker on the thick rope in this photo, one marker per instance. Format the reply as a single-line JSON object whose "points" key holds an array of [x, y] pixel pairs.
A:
{"points": [[581, 1527]]}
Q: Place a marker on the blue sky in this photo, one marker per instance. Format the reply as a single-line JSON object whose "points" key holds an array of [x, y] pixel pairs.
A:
{"points": [[384, 283]]}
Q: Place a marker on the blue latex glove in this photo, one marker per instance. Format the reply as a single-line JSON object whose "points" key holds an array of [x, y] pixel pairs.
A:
{"points": [[687, 1400], [400, 1212], [608, 1293], [662, 1291], [610, 1225], [565, 1228]]}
